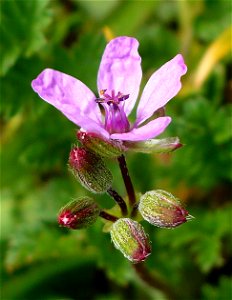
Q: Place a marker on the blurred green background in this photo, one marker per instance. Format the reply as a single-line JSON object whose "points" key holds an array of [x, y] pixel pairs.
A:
{"points": [[39, 259]]}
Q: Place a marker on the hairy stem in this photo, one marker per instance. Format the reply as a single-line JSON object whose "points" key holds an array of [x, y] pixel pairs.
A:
{"points": [[107, 216], [119, 200], [127, 180], [153, 281]]}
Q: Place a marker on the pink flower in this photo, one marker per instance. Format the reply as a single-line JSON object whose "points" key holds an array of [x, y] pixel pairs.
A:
{"points": [[118, 82]]}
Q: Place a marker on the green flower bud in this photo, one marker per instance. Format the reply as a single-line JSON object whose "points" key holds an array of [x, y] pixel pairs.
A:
{"points": [[90, 170], [101, 146], [155, 145], [130, 238], [80, 213], [162, 209]]}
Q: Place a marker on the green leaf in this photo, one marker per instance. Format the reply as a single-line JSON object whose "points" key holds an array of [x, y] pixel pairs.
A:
{"points": [[98, 9], [31, 244], [205, 236], [22, 26], [208, 251], [223, 291], [129, 15], [205, 26]]}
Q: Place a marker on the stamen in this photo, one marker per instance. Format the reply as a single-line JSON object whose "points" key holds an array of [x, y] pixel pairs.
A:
{"points": [[102, 92]]}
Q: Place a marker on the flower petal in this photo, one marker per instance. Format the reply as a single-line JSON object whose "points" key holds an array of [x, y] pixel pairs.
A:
{"points": [[68, 94], [163, 85], [93, 127], [120, 69], [148, 131]]}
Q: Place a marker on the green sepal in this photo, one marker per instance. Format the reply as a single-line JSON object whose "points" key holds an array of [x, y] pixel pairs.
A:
{"points": [[99, 145], [162, 209], [79, 213], [90, 170], [155, 145], [129, 237]]}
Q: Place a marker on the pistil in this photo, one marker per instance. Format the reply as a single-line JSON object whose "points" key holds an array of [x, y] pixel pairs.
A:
{"points": [[115, 118]]}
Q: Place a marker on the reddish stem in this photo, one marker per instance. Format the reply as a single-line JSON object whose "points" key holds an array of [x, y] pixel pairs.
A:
{"points": [[119, 200], [107, 216], [127, 180]]}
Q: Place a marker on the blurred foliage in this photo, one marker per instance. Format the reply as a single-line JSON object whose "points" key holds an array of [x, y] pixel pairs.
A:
{"points": [[43, 261]]}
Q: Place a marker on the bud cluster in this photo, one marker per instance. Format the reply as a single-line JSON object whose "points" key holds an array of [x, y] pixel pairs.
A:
{"points": [[158, 207]]}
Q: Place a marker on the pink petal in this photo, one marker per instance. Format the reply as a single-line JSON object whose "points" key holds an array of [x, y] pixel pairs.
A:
{"points": [[163, 85], [93, 127], [120, 69], [148, 131], [68, 94]]}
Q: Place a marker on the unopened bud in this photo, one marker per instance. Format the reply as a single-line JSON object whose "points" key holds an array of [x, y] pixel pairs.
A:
{"points": [[162, 209], [130, 238], [155, 145], [99, 145], [79, 213], [90, 170]]}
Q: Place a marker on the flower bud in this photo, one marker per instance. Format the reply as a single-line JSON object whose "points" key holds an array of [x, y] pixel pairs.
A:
{"points": [[80, 213], [162, 209], [155, 145], [99, 145], [130, 238], [90, 170]]}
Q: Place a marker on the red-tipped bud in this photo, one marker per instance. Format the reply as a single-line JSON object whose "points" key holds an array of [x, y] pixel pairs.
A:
{"points": [[79, 213], [162, 209], [90, 170], [155, 145], [99, 145], [130, 238]]}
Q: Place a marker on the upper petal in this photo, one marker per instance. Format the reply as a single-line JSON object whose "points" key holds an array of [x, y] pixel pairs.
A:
{"points": [[148, 131], [163, 85], [68, 94], [120, 69]]}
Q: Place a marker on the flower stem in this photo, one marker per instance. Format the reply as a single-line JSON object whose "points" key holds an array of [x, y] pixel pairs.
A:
{"points": [[127, 180], [107, 216], [134, 210], [154, 281], [119, 200]]}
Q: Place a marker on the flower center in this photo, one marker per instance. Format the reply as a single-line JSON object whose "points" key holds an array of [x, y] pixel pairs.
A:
{"points": [[115, 118]]}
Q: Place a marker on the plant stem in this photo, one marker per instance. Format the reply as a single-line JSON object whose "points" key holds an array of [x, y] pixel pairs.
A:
{"points": [[153, 281], [127, 180], [119, 200], [134, 210], [107, 216]]}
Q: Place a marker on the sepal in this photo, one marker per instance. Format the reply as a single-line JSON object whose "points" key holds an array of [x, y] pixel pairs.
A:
{"points": [[100, 146], [129, 237], [78, 214], [155, 145], [162, 209], [90, 170]]}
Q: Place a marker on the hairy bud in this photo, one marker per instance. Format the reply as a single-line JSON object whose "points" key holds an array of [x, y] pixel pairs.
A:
{"points": [[130, 238], [80, 213], [90, 170], [99, 145], [162, 209]]}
